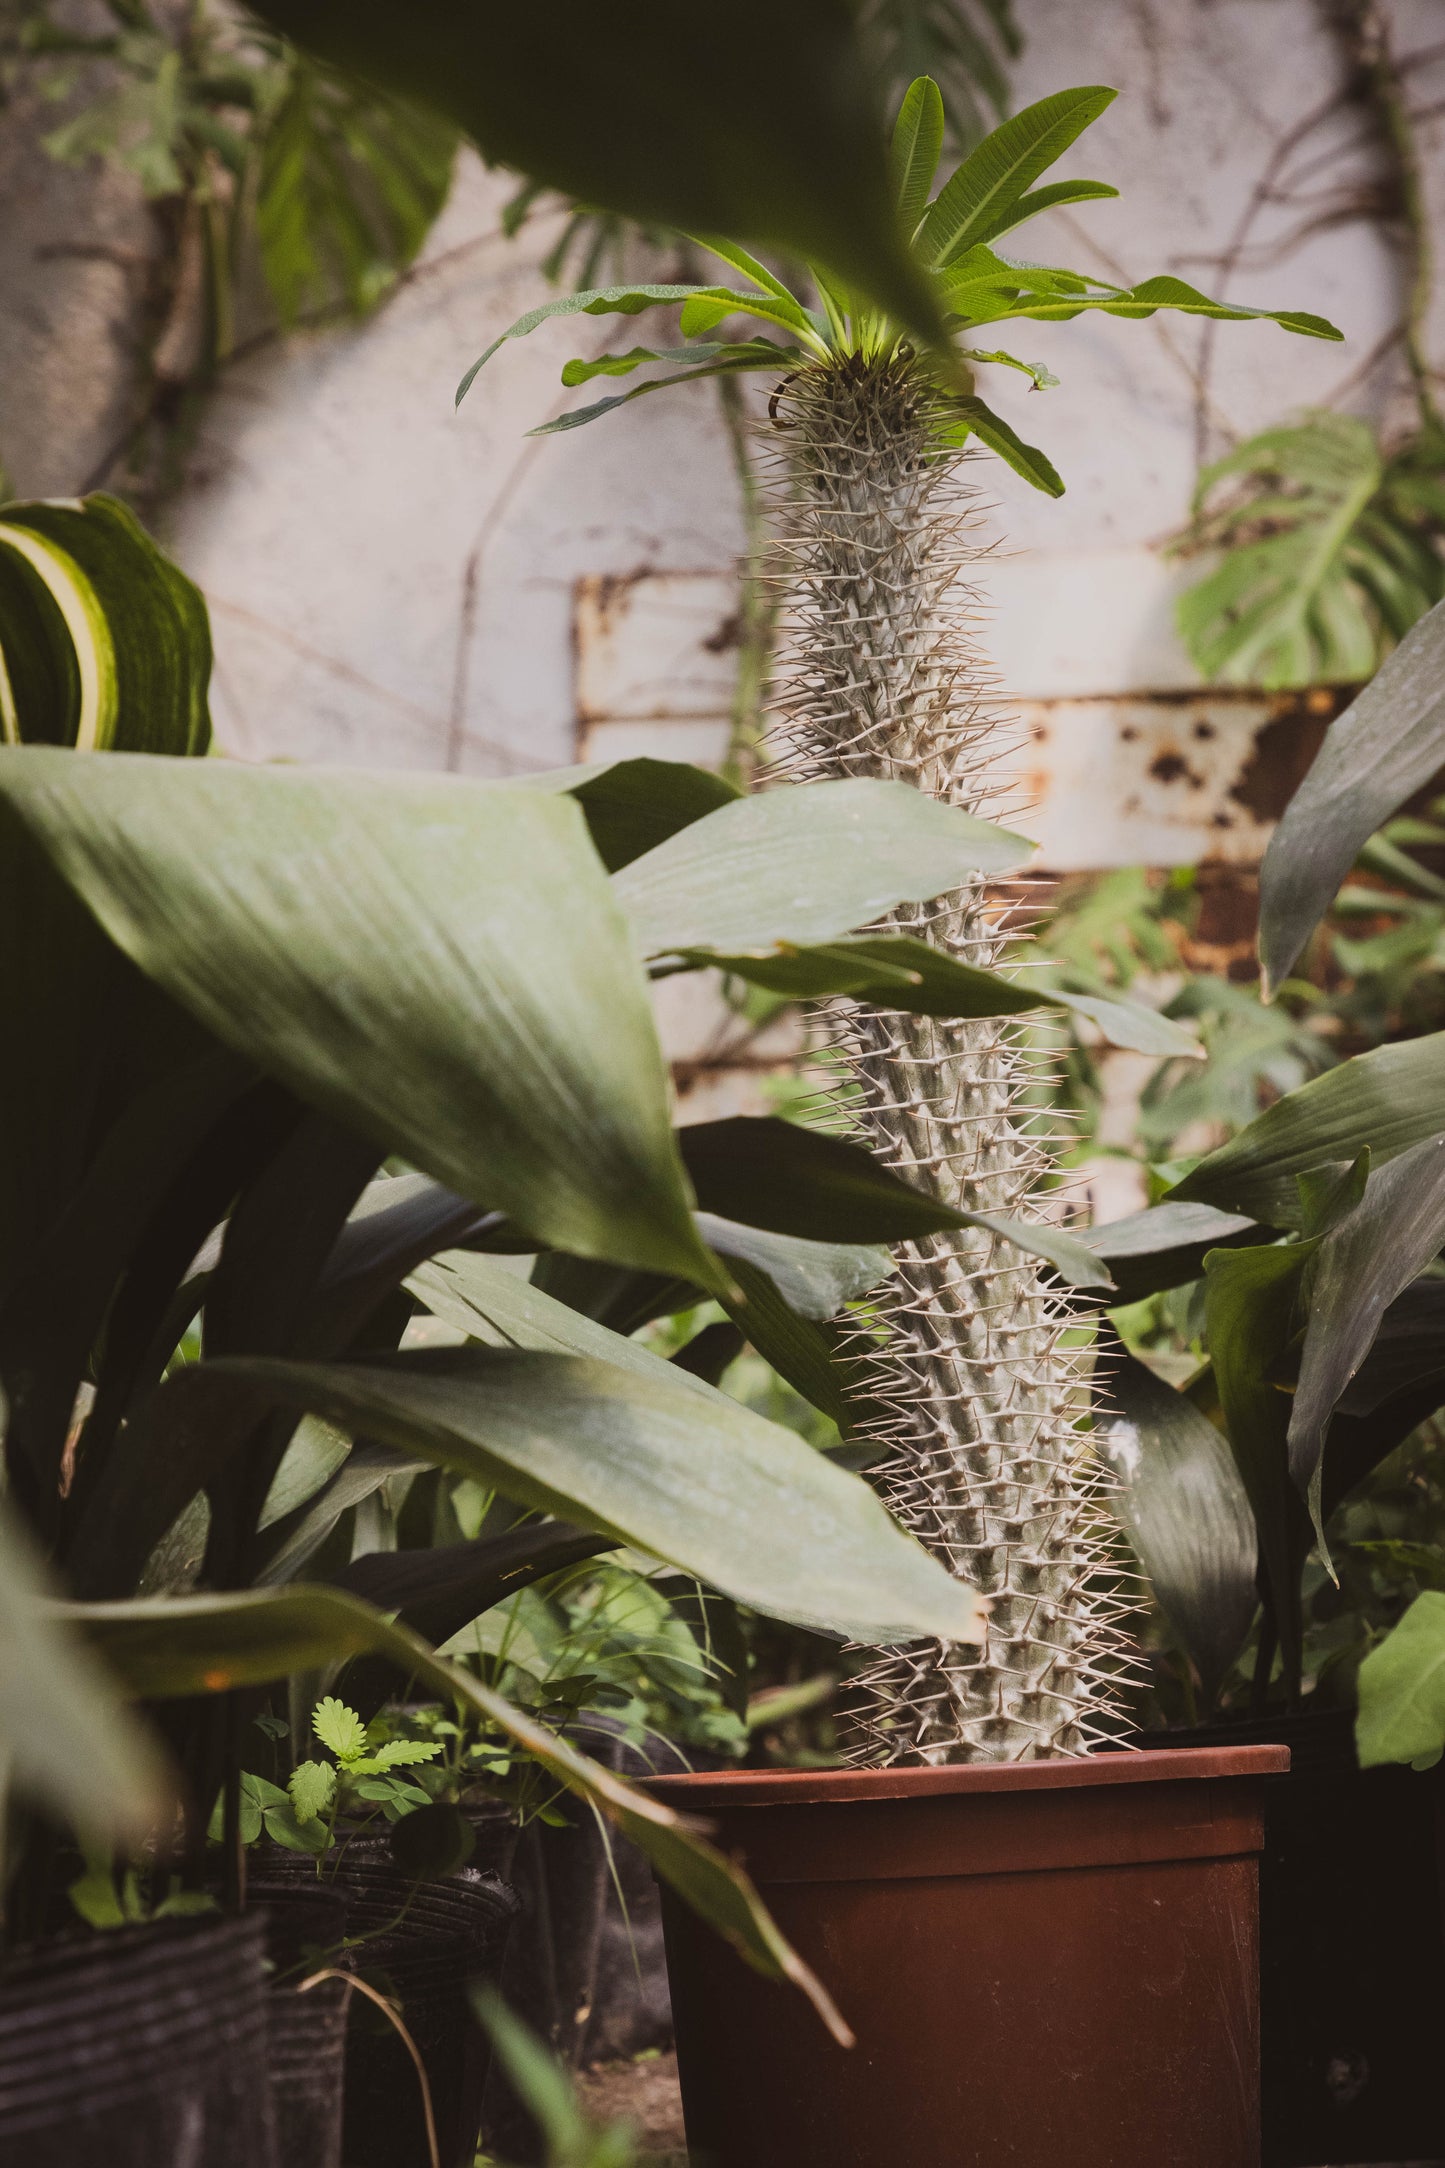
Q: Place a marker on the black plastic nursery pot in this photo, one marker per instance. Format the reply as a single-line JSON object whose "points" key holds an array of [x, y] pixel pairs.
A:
{"points": [[1046, 1964], [142, 2047], [1352, 1949], [424, 1945], [306, 2023]]}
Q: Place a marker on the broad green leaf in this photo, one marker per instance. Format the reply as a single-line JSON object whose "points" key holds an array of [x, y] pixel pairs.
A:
{"points": [[1072, 1259], [207, 1644], [632, 805], [68, 1744], [1309, 537], [1388, 743], [813, 1278], [1182, 1500], [758, 124], [797, 1347], [1402, 1689], [297, 1538], [795, 1181], [1166, 1245], [473, 1005], [312, 1787], [104, 643], [803, 864], [895, 971], [339, 1728], [351, 180], [916, 149], [656, 1459], [1003, 168], [1364, 1261], [1250, 1308], [1388, 1099], [976, 419]]}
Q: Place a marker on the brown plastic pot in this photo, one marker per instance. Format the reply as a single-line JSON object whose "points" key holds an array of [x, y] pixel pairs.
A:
{"points": [[1045, 1963]]}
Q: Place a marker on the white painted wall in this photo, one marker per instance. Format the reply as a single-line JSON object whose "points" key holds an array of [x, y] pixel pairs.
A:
{"points": [[393, 582]]}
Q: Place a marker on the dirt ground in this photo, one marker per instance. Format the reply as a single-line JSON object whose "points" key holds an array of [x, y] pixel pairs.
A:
{"points": [[646, 2093]]}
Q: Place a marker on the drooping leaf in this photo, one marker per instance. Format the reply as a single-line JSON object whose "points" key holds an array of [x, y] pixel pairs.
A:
{"points": [[440, 1591], [666, 117], [1402, 1690], [207, 1644], [1186, 1509], [976, 419], [474, 1006], [1250, 1308], [795, 1181], [1388, 1099], [1003, 168], [804, 864], [814, 1278], [1387, 744], [896, 971], [104, 643], [653, 1458], [1364, 1262]]}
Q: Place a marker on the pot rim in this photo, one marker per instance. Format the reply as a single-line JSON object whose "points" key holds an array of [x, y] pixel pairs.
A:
{"points": [[806, 1787]]}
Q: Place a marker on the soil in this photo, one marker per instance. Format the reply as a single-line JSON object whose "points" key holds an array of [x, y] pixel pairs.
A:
{"points": [[645, 2092]]}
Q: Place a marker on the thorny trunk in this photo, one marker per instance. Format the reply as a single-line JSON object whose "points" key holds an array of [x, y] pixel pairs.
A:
{"points": [[979, 1393]]}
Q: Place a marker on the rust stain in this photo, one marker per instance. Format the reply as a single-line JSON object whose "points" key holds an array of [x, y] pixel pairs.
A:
{"points": [[1281, 756]]}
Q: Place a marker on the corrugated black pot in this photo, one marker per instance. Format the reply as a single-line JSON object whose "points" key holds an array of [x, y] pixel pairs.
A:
{"points": [[424, 1944], [138, 2047], [306, 2027], [1352, 1954]]}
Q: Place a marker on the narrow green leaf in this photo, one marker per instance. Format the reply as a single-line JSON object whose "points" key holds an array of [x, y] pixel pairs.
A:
{"points": [[1043, 199], [1072, 1259], [896, 971], [804, 864], [474, 1005], [1387, 744], [813, 1278], [207, 1644], [916, 149], [1004, 166], [628, 299], [976, 419], [757, 355]]}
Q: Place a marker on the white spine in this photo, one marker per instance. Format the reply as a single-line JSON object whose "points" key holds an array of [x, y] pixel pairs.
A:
{"points": [[977, 1392]]}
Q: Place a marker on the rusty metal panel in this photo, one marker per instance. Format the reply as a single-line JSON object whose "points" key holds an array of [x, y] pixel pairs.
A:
{"points": [[656, 646], [1162, 779], [1154, 777]]}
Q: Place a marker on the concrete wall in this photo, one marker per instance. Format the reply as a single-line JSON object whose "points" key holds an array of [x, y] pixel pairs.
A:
{"points": [[394, 582]]}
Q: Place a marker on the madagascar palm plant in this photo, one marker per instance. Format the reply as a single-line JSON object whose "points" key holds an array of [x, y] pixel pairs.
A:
{"points": [[985, 1460]]}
